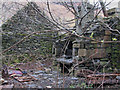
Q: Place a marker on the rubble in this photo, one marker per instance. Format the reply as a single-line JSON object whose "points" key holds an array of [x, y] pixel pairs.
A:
{"points": [[23, 78], [7, 87], [14, 73]]}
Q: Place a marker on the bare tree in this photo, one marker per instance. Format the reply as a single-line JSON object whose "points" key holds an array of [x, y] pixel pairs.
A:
{"points": [[31, 26]]}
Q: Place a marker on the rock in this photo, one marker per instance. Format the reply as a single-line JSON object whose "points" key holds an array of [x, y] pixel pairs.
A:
{"points": [[48, 86], [15, 73], [38, 72], [24, 72], [47, 70], [60, 82], [32, 85], [40, 87], [2, 80], [54, 72], [74, 78], [50, 79], [45, 77], [118, 77], [8, 86], [36, 76], [5, 82]]}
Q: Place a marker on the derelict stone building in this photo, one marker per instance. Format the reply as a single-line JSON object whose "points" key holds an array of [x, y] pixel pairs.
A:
{"points": [[97, 52], [24, 22]]}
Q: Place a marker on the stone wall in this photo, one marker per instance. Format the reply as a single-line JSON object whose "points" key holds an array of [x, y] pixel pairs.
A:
{"points": [[24, 22]]}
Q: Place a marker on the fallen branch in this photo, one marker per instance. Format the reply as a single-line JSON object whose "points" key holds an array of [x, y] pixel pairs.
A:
{"points": [[101, 75]]}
